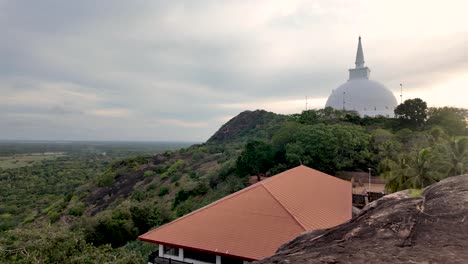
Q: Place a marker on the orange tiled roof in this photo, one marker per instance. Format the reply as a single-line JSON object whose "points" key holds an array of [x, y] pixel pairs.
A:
{"points": [[252, 223]]}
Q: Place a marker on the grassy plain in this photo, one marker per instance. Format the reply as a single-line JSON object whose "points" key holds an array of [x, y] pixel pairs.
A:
{"points": [[23, 160]]}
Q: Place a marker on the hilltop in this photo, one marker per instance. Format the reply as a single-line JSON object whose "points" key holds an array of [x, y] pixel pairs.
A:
{"points": [[248, 125]]}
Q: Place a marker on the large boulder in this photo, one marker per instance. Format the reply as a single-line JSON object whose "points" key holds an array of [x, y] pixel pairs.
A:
{"points": [[405, 227]]}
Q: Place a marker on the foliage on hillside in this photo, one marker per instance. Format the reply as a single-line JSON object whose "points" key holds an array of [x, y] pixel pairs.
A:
{"points": [[44, 189], [419, 147], [110, 209], [106, 212], [53, 244], [248, 125]]}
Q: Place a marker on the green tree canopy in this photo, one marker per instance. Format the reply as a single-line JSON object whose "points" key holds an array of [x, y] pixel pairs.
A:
{"points": [[329, 148], [256, 159], [454, 156], [50, 244], [452, 120], [412, 113], [410, 170]]}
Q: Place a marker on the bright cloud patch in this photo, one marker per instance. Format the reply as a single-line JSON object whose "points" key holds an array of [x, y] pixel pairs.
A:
{"points": [[177, 70], [184, 124]]}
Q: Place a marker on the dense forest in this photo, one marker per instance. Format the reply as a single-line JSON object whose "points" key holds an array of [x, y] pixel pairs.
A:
{"points": [[90, 207]]}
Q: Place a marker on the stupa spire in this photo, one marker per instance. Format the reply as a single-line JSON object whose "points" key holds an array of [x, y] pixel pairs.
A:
{"points": [[359, 55], [360, 71]]}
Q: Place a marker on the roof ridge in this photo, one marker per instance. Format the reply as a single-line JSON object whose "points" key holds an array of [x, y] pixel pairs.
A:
{"points": [[325, 174], [284, 207]]}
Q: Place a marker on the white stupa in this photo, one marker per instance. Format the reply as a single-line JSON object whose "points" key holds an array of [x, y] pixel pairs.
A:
{"points": [[367, 97]]}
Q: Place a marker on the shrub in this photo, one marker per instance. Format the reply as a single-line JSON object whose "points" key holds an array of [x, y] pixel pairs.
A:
{"points": [[152, 186], [77, 210], [176, 177], [198, 155], [185, 208], [105, 179], [53, 216], [138, 196], [193, 175], [415, 193], [160, 169], [29, 219], [181, 196], [163, 191], [174, 168], [116, 228]]}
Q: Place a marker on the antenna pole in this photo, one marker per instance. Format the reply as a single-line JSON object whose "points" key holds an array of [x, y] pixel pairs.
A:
{"points": [[344, 101], [401, 93], [306, 103], [369, 179]]}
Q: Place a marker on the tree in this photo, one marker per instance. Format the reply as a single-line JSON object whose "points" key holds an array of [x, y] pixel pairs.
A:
{"points": [[452, 120], [327, 115], [414, 170], [50, 244], [412, 113], [285, 134], [455, 156], [329, 148], [384, 145], [422, 173], [395, 172], [256, 159]]}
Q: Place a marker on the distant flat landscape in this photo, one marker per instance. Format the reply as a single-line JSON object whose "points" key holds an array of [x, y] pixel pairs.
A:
{"points": [[22, 160], [35, 148]]}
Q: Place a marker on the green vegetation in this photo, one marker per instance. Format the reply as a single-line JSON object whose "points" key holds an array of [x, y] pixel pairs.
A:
{"points": [[85, 206], [412, 113], [415, 193], [51, 244], [23, 160], [46, 187], [421, 146]]}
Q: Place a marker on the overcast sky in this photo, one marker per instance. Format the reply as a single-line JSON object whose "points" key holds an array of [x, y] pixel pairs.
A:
{"points": [[178, 70]]}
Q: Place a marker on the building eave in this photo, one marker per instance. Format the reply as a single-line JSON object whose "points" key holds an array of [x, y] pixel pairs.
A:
{"points": [[225, 254]]}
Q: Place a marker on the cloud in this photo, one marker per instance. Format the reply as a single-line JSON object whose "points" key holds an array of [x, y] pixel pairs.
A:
{"points": [[281, 106], [183, 124], [112, 112], [176, 70]]}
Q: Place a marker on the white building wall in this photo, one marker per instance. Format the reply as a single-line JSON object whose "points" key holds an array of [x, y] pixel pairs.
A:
{"points": [[161, 250], [201, 262], [180, 257]]}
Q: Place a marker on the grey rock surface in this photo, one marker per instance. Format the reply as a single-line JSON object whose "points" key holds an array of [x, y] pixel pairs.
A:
{"points": [[404, 227]]}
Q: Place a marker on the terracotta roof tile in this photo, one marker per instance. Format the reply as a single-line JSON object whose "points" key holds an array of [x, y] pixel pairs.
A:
{"points": [[252, 223]]}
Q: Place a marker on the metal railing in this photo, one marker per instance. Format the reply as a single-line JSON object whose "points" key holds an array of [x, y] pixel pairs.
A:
{"points": [[156, 259]]}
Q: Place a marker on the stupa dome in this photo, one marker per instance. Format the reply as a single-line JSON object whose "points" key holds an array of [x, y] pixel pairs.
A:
{"points": [[367, 97]]}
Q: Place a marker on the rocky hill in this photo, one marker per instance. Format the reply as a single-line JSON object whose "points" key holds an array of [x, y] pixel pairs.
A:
{"points": [[405, 227], [248, 125]]}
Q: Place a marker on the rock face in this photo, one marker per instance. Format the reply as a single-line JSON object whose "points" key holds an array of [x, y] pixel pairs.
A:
{"points": [[431, 227], [247, 124]]}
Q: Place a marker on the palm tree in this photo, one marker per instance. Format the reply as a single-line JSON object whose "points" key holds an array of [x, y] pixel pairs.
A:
{"points": [[414, 170], [456, 156], [421, 172], [396, 172]]}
